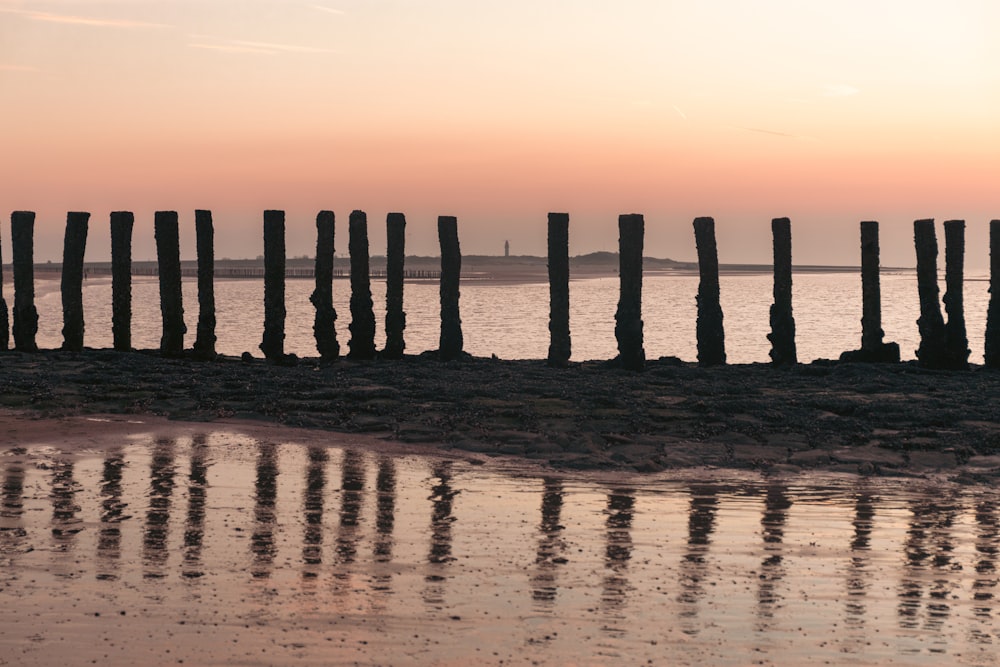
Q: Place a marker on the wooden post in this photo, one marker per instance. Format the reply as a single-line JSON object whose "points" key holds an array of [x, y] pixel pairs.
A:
{"points": [[992, 348], [168, 257], [395, 316], [873, 349], [121, 279], [273, 343], [71, 285], [709, 328], [956, 342], [930, 324], [22, 240], [204, 342], [782, 334], [362, 326], [322, 297], [559, 338], [4, 312], [628, 318], [451, 342]]}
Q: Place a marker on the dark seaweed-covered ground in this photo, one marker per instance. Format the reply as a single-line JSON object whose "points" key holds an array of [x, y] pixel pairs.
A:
{"points": [[873, 419]]}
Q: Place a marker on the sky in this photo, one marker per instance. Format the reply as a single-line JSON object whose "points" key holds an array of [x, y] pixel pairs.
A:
{"points": [[829, 113]]}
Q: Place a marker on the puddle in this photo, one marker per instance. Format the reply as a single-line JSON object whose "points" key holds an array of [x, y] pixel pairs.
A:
{"points": [[221, 549]]}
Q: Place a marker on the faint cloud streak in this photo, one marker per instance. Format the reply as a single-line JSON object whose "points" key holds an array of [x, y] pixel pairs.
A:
{"points": [[247, 46], [18, 68], [679, 112], [327, 10], [71, 19]]}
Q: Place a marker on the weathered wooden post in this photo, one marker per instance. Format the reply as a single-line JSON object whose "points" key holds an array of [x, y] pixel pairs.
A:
{"points": [[873, 349], [71, 285], [4, 313], [782, 334], [956, 342], [362, 326], [559, 338], [273, 343], [930, 324], [451, 342], [991, 357], [204, 342], [121, 279], [168, 258], [22, 241], [710, 333], [322, 297], [395, 316], [628, 318]]}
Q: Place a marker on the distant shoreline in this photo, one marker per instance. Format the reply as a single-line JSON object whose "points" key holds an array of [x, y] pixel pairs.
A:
{"points": [[483, 269]]}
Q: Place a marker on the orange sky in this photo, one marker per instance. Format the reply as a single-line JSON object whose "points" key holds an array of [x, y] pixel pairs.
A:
{"points": [[829, 113]]}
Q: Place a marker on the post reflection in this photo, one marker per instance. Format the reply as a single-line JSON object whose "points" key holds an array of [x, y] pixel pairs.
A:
{"points": [[551, 546], [772, 571], [617, 554], [312, 509], [65, 523], [929, 547], [109, 536], [157, 526], [352, 487], [694, 568], [262, 544], [442, 498], [12, 531], [385, 522], [858, 574], [985, 582], [194, 526]]}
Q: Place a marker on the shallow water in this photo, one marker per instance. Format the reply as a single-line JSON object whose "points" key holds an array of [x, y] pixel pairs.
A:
{"points": [[511, 321], [220, 549]]}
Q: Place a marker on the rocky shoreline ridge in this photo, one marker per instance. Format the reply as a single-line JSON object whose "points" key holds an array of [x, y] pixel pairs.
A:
{"points": [[877, 419]]}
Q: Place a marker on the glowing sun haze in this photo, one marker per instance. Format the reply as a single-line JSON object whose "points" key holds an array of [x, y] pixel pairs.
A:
{"points": [[498, 112]]}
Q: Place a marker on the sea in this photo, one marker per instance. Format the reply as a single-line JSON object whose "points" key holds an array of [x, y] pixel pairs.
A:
{"points": [[510, 321]]}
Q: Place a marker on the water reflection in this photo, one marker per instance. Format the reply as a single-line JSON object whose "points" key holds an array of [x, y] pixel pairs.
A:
{"points": [[694, 566], [772, 571], [385, 522], [442, 498], [617, 554], [109, 536], [859, 574], [12, 532], [157, 526], [925, 589], [883, 569], [352, 486], [312, 510], [551, 545], [194, 527], [987, 531], [262, 543]]}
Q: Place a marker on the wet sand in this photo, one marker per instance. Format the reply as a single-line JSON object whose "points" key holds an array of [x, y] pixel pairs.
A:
{"points": [[138, 540], [895, 420], [486, 511]]}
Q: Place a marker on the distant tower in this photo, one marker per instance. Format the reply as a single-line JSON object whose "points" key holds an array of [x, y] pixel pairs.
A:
{"points": [[506, 248]]}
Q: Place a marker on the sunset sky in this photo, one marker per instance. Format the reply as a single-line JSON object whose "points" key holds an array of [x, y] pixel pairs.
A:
{"points": [[498, 112]]}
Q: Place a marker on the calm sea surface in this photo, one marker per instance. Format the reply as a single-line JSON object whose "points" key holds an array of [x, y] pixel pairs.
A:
{"points": [[223, 549], [511, 321]]}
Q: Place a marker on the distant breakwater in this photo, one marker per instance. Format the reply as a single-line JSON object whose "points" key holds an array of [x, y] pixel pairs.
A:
{"points": [[943, 342]]}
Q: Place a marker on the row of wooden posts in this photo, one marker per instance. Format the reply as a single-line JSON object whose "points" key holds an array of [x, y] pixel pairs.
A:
{"points": [[943, 344]]}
